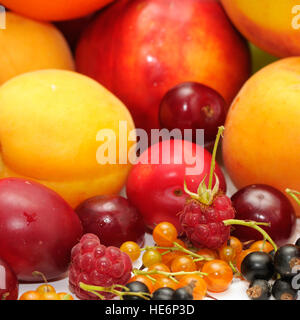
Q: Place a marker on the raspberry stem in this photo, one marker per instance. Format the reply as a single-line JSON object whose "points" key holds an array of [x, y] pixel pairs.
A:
{"points": [[255, 225], [294, 194], [96, 289]]}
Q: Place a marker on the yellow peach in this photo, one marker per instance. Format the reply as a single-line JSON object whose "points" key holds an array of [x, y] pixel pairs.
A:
{"points": [[272, 25], [50, 122], [28, 45], [262, 136]]}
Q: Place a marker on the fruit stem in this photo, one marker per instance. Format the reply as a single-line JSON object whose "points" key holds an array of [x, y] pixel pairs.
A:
{"points": [[95, 289], [170, 275], [213, 159], [255, 225], [178, 247], [293, 194]]}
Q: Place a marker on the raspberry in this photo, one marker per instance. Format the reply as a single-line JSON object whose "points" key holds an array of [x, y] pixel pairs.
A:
{"points": [[94, 264], [203, 224]]}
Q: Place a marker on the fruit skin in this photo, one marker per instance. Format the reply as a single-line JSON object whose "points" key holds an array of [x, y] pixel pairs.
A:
{"points": [[50, 129], [269, 97], [203, 224], [219, 275], [31, 295], [31, 45], [158, 44], [267, 24], [298, 242], [163, 294], [259, 290], [183, 294], [191, 105], [55, 9], [159, 202], [113, 219], [135, 286], [257, 265], [94, 264], [286, 259], [47, 229], [263, 203], [282, 290], [9, 285]]}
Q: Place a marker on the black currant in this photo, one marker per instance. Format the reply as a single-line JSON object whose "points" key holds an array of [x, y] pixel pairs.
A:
{"points": [[185, 293], [283, 290], [298, 242], [163, 294], [135, 286], [257, 265], [287, 260], [259, 290]]}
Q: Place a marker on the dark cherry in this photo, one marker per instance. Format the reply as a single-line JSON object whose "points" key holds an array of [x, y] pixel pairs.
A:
{"points": [[263, 203], [113, 219], [192, 105], [9, 285]]}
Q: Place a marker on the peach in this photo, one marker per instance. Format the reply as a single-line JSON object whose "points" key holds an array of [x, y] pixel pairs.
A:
{"points": [[272, 25], [262, 136], [52, 10], [29, 45], [50, 121]]}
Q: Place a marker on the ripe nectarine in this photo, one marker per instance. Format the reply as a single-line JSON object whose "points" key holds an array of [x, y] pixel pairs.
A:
{"points": [[50, 121], [29, 45], [54, 10], [262, 136]]}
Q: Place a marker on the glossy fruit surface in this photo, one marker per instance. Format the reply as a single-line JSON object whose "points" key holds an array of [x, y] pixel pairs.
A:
{"points": [[135, 286], [263, 203], [45, 288], [165, 234], [31, 295], [47, 227], [31, 45], [219, 275], [183, 294], [164, 282], [270, 96], [9, 285], [192, 105], [257, 265], [113, 219], [298, 242], [147, 52], [55, 9], [63, 148], [197, 283], [159, 202], [183, 263], [206, 253], [287, 260], [132, 249], [262, 245], [151, 257], [163, 294], [145, 280], [50, 296], [95, 264], [241, 257]]}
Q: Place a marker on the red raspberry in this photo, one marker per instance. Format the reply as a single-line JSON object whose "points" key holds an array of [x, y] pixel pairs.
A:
{"points": [[94, 264], [203, 224]]}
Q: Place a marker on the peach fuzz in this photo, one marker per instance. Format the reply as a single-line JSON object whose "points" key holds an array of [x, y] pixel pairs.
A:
{"points": [[49, 125], [53, 10], [28, 45], [262, 136], [269, 24]]}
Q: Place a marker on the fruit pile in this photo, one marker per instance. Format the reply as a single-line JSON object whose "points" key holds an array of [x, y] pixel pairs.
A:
{"points": [[111, 113]]}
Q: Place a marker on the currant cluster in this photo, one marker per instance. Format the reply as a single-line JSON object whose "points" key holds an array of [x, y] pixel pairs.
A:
{"points": [[274, 273]]}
